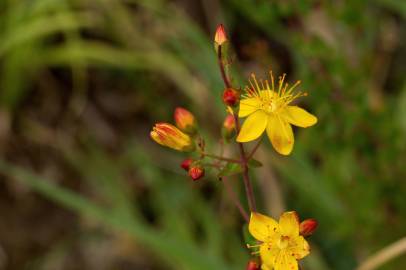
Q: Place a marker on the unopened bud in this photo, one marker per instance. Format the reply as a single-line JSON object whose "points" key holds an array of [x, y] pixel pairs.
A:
{"points": [[228, 129], [196, 172], [231, 97], [220, 37], [186, 164], [170, 136], [308, 226], [252, 265], [185, 120]]}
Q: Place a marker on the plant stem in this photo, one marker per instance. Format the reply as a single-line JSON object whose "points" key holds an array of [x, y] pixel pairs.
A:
{"points": [[247, 182], [221, 158], [251, 154], [235, 200], [244, 160], [222, 69]]}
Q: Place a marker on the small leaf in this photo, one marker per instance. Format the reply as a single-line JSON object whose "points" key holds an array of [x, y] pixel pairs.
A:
{"points": [[230, 169], [253, 163]]}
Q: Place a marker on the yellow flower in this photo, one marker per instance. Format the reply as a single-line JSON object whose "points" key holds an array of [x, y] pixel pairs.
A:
{"points": [[281, 245], [267, 108], [168, 135]]}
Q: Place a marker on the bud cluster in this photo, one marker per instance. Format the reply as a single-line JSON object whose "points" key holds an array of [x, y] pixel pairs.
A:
{"points": [[194, 169], [181, 138]]}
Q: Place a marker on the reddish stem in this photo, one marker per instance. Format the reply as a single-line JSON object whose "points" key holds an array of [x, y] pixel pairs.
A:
{"points": [[244, 160], [234, 198], [250, 155], [222, 69], [247, 182]]}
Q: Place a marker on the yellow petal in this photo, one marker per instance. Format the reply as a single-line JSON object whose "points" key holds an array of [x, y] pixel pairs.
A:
{"points": [[281, 135], [261, 226], [289, 224], [253, 126], [248, 106], [299, 247], [299, 117], [268, 255], [285, 262], [265, 267]]}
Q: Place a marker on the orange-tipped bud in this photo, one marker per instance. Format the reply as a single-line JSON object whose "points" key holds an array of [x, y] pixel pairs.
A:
{"points": [[228, 129], [231, 97], [186, 164], [196, 172], [170, 136], [220, 37], [252, 265], [308, 226], [185, 120]]}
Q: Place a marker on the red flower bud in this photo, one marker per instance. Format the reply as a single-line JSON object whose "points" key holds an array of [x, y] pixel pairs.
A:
{"points": [[220, 37], [185, 120], [196, 172], [308, 226], [252, 265], [231, 97], [186, 164], [228, 129]]}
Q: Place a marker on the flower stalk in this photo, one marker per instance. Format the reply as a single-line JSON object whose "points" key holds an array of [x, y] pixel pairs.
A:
{"points": [[235, 200], [244, 161]]}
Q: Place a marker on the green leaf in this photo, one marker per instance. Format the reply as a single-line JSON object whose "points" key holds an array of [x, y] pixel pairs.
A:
{"points": [[253, 163], [230, 169]]}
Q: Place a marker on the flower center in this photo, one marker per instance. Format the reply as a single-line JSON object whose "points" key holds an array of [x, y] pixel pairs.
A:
{"points": [[270, 107], [283, 242]]}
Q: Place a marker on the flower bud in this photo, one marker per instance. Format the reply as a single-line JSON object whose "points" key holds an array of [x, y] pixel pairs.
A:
{"points": [[196, 172], [228, 129], [220, 37], [308, 226], [185, 120], [252, 265], [231, 97], [186, 164], [170, 136]]}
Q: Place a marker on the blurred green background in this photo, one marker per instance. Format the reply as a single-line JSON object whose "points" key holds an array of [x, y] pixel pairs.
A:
{"points": [[82, 186]]}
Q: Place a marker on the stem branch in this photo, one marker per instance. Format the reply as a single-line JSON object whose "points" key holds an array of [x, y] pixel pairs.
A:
{"points": [[234, 198], [247, 182], [251, 154], [221, 158]]}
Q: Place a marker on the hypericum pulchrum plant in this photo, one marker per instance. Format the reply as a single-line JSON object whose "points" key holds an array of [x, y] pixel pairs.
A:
{"points": [[266, 107]]}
